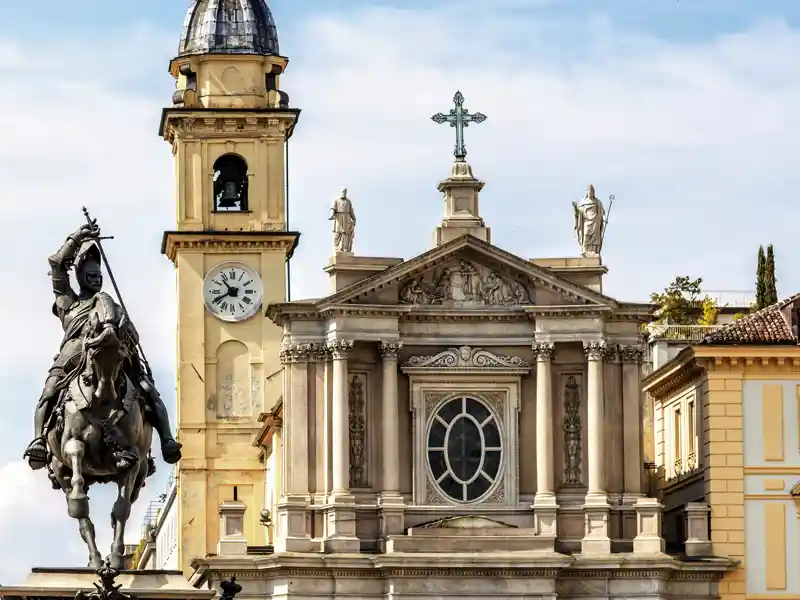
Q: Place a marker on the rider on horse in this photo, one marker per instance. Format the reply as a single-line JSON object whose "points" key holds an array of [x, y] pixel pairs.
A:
{"points": [[72, 310]]}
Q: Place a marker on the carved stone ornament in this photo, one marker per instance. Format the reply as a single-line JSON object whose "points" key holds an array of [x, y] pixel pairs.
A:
{"points": [[467, 358], [573, 450], [544, 351], [295, 353], [465, 283], [390, 349], [358, 430], [595, 350], [631, 354], [339, 348]]}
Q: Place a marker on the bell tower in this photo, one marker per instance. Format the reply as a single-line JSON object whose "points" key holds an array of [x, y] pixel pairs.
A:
{"points": [[229, 125]]}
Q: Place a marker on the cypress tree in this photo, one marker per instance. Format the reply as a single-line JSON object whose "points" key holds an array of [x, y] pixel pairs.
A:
{"points": [[760, 279], [770, 283]]}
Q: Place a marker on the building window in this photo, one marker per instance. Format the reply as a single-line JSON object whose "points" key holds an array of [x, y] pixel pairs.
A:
{"points": [[677, 441], [464, 449]]}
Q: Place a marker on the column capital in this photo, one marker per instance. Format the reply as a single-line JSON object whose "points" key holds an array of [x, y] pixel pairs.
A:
{"points": [[389, 350], [632, 353], [297, 353], [339, 348], [595, 351], [543, 351]]}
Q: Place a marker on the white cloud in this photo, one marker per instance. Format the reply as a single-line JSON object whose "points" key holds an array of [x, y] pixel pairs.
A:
{"points": [[696, 141]]}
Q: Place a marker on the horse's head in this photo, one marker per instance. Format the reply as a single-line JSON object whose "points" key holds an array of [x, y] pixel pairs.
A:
{"points": [[105, 347]]}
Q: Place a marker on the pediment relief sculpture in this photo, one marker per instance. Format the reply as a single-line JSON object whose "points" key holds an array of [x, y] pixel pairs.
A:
{"points": [[467, 357], [467, 283]]}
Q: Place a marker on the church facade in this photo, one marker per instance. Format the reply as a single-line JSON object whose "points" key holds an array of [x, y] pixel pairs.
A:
{"points": [[465, 422]]}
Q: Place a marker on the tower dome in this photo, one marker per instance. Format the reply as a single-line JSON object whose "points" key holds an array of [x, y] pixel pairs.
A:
{"points": [[229, 27]]}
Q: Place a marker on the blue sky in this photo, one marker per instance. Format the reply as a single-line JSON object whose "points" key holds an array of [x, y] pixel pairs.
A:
{"points": [[685, 110]]}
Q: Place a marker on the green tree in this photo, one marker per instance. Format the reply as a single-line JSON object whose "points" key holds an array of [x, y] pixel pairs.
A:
{"points": [[680, 301], [770, 283], [710, 308], [761, 282]]}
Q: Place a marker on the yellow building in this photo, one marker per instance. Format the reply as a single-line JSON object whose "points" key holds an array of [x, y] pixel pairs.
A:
{"points": [[228, 127], [727, 433]]}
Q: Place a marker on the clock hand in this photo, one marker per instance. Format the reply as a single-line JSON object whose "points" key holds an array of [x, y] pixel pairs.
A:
{"points": [[219, 299]]}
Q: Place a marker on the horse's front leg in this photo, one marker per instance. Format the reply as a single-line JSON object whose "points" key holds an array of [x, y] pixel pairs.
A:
{"points": [[78, 501], [120, 514]]}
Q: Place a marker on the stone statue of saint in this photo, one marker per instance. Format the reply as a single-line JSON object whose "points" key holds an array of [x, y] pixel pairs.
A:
{"points": [[590, 221], [73, 310], [344, 223]]}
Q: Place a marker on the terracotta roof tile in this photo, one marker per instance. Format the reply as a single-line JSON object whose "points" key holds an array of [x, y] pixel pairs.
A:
{"points": [[767, 326]]}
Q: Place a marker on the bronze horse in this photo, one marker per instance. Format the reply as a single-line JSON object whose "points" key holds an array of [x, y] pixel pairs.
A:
{"points": [[101, 434]]}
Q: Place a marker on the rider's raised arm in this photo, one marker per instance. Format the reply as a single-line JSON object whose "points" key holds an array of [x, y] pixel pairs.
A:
{"points": [[60, 264]]}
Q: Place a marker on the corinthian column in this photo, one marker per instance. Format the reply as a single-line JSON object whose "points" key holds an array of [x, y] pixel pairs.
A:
{"points": [[545, 508], [340, 425], [631, 357], [340, 516], [596, 507], [293, 502], [390, 502]]}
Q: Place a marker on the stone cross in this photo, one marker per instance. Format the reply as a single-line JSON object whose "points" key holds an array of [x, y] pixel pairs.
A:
{"points": [[459, 118]]}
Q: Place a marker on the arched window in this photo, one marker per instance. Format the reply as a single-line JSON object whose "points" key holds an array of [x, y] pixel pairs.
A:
{"points": [[230, 184], [464, 449]]}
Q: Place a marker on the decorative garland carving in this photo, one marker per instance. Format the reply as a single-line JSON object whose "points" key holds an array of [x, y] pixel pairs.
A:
{"points": [[573, 431], [466, 357], [358, 430]]}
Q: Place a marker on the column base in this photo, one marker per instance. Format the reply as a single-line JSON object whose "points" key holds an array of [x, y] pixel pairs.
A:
{"points": [[596, 511], [545, 514], [292, 519], [648, 539], [340, 525], [391, 508]]}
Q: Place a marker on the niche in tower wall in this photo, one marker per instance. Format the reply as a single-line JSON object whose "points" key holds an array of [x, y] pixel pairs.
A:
{"points": [[230, 184], [572, 430], [358, 429]]}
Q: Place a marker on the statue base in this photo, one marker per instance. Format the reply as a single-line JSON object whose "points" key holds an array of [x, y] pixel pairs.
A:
{"points": [[65, 583]]}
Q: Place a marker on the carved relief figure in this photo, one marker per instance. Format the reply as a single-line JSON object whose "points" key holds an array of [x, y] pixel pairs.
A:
{"points": [[590, 221], [572, 432], [358, 429], [467, 283], [344, 223]]}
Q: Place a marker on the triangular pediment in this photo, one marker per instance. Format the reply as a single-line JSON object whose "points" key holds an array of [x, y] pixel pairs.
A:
{"points": [[468, 273]]}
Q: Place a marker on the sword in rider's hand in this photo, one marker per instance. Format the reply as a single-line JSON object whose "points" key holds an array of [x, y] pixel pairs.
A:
{"points": [[93, 224]]}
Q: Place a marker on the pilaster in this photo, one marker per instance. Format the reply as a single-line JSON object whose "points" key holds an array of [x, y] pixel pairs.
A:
{"points": [[633, 473], [390, 503], [545, 508], [340, 515], [596, 507]]}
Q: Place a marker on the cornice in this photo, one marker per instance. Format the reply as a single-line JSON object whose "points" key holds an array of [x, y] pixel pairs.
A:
{"points": [[174, 242], [687, 374], [210, 123]]}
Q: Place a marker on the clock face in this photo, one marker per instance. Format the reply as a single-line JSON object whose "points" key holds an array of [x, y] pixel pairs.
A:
{"points": [[232, 291]]}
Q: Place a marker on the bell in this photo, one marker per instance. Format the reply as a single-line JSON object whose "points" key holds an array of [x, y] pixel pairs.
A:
{"points": [[230, 195]]}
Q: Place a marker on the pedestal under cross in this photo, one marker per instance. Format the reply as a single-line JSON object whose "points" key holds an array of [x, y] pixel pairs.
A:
{"points": [[459, 118]]}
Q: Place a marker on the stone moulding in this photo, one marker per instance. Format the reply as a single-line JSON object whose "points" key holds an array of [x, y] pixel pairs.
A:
{"points": [[467, 360]]}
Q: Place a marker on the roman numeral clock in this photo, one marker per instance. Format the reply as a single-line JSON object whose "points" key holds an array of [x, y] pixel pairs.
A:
{"points": [[232, 291]]}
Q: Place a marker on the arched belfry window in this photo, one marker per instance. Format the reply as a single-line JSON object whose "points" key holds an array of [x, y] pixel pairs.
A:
{"points": [[230, 184]]}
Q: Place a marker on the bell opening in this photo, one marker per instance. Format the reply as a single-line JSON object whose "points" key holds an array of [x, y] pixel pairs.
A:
{"points": [[230, 184]]}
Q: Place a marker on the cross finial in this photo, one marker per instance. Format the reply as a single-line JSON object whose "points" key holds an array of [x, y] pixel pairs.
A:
{"points": [[459, 118]]}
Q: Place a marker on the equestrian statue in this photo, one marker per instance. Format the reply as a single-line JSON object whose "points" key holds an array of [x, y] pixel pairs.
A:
{"points": [[95, 418]]}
